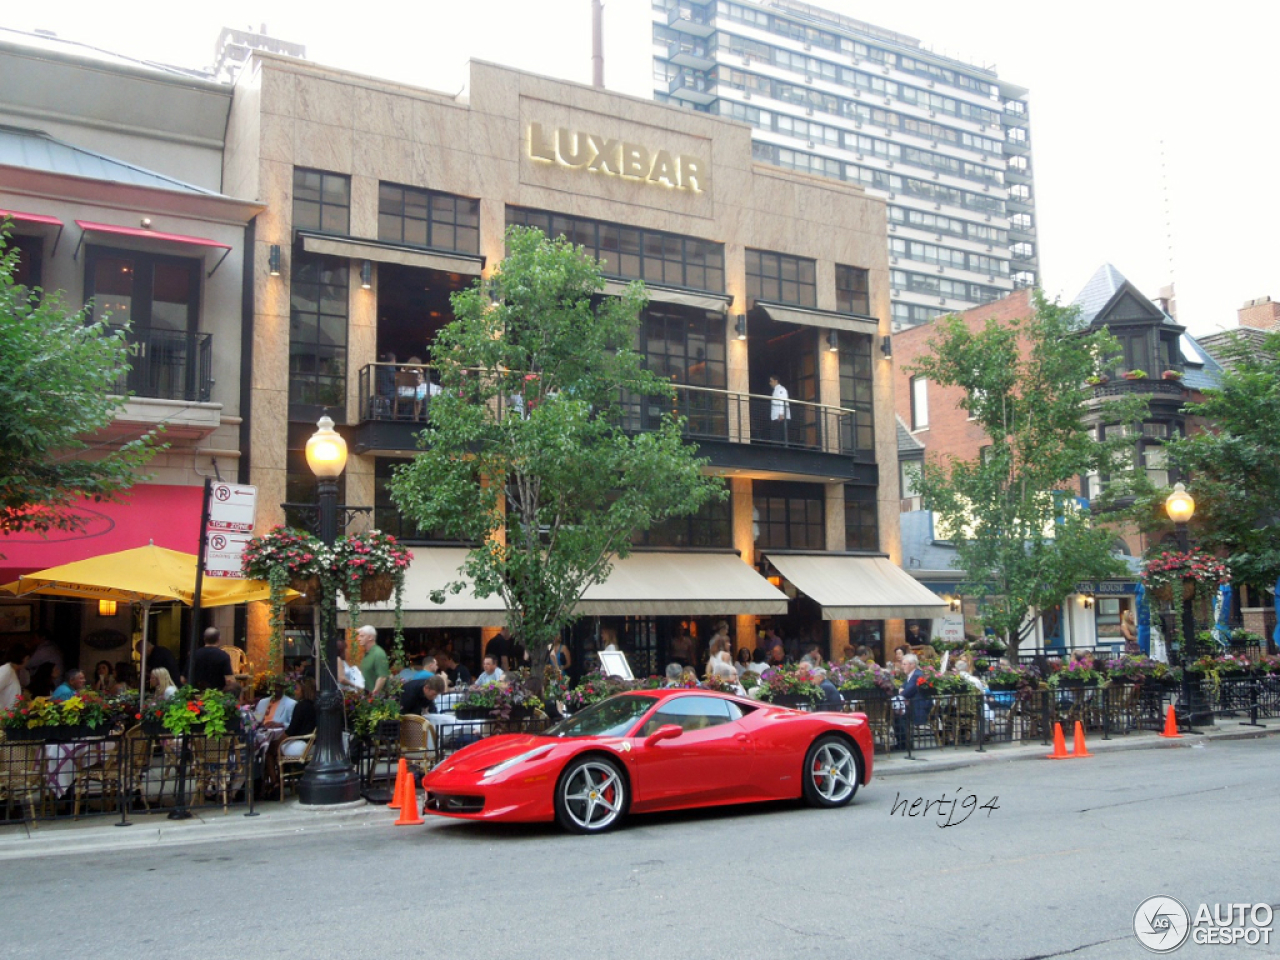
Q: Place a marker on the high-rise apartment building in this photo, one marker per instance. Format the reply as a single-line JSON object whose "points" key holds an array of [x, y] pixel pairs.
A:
{"points": [[946, 143]]}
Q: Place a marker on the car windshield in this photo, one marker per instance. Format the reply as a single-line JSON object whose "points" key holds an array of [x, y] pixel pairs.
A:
{"points": [[613, 717]]}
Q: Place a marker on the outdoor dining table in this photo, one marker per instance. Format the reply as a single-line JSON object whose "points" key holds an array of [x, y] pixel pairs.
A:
{"points": [[62, 761]]}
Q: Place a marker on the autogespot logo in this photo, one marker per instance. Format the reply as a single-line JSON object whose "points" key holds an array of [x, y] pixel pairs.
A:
{"points": [[1162, 924]]}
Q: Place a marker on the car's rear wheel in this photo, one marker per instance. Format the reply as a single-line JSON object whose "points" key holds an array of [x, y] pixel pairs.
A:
{"points": [[591, 796], [830, 772]]}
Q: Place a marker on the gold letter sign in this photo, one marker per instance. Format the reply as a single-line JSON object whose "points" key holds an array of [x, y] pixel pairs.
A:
{"points": [[615, 158]]}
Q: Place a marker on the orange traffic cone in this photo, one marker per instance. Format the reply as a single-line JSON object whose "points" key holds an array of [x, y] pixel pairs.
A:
{"points": [[409, 803], [1078, 748], [1059, 745], [1171, 725], [402, 770]]}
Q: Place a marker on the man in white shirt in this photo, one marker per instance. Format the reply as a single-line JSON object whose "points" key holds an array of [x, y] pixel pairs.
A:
{"points": [[11, 676], [492, 673], [779, 411]]}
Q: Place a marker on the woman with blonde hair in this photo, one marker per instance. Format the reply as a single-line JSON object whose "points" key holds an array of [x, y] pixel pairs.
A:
{"points": [[162, 683]]}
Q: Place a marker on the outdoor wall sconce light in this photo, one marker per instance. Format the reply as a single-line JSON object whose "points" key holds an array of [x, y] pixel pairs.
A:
{"points": [[273, 260], [740, 325], [1087, 600], [366, 275], [833, 341], [954, 603], [886, 346], [106, 608]]}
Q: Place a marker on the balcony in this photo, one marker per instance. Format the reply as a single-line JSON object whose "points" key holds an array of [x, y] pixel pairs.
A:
{"points": [[693, 88], [166, 365], [170, 377], [694, 55], [735, 430], [696, 20]]}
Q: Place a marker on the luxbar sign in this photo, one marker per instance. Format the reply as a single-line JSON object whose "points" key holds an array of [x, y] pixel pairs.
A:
{"points": [[618, 158]]}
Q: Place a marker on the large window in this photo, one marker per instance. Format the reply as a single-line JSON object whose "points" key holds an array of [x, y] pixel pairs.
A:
{"points": [[919, 403], [711, 526], [321, 201], [387, 516], [852, 290], [318, 336], [789, 515], [781, 278], [30, 272], [426, 218], [856, 391], [630, 253], [861, 526], [159, 297]]}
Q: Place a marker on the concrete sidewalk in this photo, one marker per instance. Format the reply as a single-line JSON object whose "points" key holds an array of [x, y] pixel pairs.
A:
{"points": [[100, 835]]}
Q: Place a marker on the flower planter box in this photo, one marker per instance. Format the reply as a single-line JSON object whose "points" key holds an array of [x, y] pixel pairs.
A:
{"points": [[59, 734], [26, 734], [1002, 687], [475, 713], [797, 701], [154, 728]]}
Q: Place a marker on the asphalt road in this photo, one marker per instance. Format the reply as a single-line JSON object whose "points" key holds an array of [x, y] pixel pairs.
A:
{"points": [[1055, 866]]}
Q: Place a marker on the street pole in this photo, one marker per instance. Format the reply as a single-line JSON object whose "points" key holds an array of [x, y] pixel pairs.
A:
{"points": [[329, 778], [1180, 507]]}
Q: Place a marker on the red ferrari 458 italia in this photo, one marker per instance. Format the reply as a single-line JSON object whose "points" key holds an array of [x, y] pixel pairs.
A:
{"points": [[655, 750]]}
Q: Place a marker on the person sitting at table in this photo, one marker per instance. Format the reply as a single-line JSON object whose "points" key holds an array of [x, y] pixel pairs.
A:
{"points": [[455, 674], [104, 678], [674, 674], [162, 683], [419, 696], [492, 673], [276, 710], [158, 656], [69, 687], [831, 699], [301, 724]]}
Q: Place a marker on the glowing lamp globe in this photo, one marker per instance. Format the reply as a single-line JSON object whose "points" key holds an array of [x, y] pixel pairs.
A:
{"points": [[1180, 505], [326, 451]]}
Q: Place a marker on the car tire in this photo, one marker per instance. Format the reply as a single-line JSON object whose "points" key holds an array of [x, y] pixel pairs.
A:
{"points": [[831, 772], [591, 796]]}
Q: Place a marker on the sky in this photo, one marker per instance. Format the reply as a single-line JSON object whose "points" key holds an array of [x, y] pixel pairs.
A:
{"points": [[1154, 133]]}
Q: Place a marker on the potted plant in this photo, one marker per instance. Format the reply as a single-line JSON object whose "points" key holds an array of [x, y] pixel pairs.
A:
{"points": [[1097, 380], [862, 683], [509, 699], [285, 557], [1012, 677], [592, 688], [1077, 673], [374, 716], [368, 568], [1171, 375], [210, 712], [1135, 375], [788, 687]]}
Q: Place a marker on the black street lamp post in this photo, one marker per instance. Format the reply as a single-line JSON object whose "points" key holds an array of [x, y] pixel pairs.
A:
{"points": [[329, 778], [1180, 506]]}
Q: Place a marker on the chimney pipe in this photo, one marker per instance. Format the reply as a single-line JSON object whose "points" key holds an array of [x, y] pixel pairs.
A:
{"points": [[597, 43]]}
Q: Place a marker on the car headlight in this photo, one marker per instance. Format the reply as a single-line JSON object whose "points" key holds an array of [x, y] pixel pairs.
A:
{"points": [[508, 764]]}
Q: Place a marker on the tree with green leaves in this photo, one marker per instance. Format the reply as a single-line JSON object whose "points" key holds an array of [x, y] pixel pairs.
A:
{"points": [[527, 451], [1023, 537], [58, 372], [1233, 467]]}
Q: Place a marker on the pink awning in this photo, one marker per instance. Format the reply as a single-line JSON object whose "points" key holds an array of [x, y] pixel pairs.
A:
{"points": [[138, 233], [168, 516], [42, 218]]}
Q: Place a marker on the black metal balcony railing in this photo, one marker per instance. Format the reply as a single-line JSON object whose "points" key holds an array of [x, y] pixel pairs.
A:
{"points": [[402, 394], [168, 365]]}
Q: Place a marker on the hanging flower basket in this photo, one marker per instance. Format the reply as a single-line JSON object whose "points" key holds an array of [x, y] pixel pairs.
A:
{"points": [[309, 587], [378, 588]]}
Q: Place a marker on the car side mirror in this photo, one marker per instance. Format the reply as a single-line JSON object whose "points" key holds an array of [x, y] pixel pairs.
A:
{"points": [[667, 731]]}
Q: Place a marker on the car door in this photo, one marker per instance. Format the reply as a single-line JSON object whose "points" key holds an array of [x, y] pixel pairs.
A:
{"points": [[710, 762]]}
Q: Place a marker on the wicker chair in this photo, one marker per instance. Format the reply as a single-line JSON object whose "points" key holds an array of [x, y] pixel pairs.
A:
{"points": [[292, 767], [101, 767], [21, 775], [213, 765], [418, 740], [880, 719]]}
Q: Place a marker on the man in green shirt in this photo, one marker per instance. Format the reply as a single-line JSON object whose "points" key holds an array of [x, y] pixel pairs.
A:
{"points": [[374, 666]]}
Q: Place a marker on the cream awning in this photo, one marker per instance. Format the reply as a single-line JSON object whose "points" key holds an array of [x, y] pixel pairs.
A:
{"points": [[859, 588], [819, 318], [682, 584], [391, 253], [431, 569], [681, 298]]}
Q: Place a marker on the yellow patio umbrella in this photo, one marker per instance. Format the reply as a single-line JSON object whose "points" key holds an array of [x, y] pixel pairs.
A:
{"points": [[144, 575]]}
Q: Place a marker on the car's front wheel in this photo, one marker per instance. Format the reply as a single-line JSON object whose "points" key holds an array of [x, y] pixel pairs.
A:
{"points": [[591, 796], [830, 772]]}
